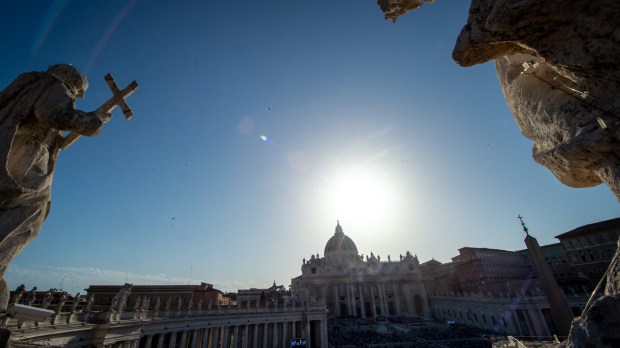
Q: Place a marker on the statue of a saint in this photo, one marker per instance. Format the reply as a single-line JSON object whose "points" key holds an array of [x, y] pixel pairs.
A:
{"points": [[34, 109]]}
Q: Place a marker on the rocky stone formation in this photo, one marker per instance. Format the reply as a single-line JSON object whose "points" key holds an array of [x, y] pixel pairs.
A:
{"points": [[396, 8], [557, 63], [564, 98]]}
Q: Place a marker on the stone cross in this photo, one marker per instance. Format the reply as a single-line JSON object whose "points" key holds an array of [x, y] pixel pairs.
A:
{"points": [[118, 99]]}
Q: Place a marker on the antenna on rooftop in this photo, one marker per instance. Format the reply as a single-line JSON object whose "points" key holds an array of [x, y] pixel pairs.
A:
{"points": [[191, 269]]}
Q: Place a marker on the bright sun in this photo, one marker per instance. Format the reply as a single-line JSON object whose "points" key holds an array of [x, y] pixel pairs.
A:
{"points": [[361, 197]]}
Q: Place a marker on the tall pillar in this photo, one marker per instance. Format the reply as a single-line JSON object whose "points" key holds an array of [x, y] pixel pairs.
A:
{"points": [[396, 287], [194, 343], [265, 334], [274, 333], [324, 340], [348, 298], [362, 309], [382, 299], [284, 334], [353, 304], [336, 301], [149, 341], [173, 340], [409, 299], [372, 300], [216, 338], [293, 330], [546, 330], [235, 337], [528, 320], [255, 336], [183, 343], [205, 338], [160, 340], [307, 334], [524, 331], [244, 342], [226, 337]]}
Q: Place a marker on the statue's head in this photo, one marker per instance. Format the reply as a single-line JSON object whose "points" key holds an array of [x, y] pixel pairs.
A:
{"points": [[75, 81]]}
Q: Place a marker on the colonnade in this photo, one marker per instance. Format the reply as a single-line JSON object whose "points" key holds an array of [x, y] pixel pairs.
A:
{"points": [[527, 320], [234, 335]]}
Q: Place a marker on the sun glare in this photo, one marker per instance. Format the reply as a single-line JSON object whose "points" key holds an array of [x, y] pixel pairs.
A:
{"points": [[361, 197]]}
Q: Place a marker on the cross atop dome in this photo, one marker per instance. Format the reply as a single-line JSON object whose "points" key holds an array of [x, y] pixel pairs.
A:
{"points": [[338, 227]]}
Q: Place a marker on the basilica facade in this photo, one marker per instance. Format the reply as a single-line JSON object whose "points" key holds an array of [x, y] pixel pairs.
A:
{"points": [[352, 286]]}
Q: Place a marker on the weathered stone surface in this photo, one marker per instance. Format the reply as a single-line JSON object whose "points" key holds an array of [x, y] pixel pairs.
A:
{"points": [[600, 327], [34, 109], [396, 8], [576, 45]]}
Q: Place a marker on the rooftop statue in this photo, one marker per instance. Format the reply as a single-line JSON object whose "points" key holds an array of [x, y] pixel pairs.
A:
{"points": [[34, 111]]}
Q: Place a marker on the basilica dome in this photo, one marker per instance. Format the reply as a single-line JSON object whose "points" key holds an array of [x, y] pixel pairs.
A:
{"points": [[340, 246]]}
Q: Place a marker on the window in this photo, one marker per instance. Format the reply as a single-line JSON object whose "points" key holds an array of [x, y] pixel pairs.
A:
{"points": [[313, 270]]}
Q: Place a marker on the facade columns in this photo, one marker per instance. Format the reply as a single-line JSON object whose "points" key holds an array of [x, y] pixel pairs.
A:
{"points": [[194, 343], [274, 342], [173, 340], [543, 321], [307, 334], [382, 298], [149, 341], [265, 334], [225, 336], [352, 301], [372, 300], [255, 335], [324, 340], [336, 301], [528, 320], [205, 338], [348, 298], [160, 340], [244, 342], [284, 334], [409, 300], [183, 339], [216, 337], [362, 309], [235, 337], [396, 287]]}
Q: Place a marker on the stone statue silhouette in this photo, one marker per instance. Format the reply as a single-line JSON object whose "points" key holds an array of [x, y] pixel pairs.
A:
{"points": [[34, 109]]}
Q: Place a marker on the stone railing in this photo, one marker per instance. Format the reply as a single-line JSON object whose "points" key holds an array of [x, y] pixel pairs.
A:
{"points": [[84, 312]]}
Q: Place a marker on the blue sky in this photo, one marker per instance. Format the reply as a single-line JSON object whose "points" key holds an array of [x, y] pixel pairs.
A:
{"points": [[259, 124]]}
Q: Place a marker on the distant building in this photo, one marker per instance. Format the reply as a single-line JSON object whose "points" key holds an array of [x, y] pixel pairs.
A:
{"points": [[204, 293], [588, 250], [498, 289], [490, 289], [254, 297], [353, 287]]}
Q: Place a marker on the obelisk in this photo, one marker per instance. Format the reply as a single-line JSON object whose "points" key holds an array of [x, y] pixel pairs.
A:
{"points": [[560, 311]]}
